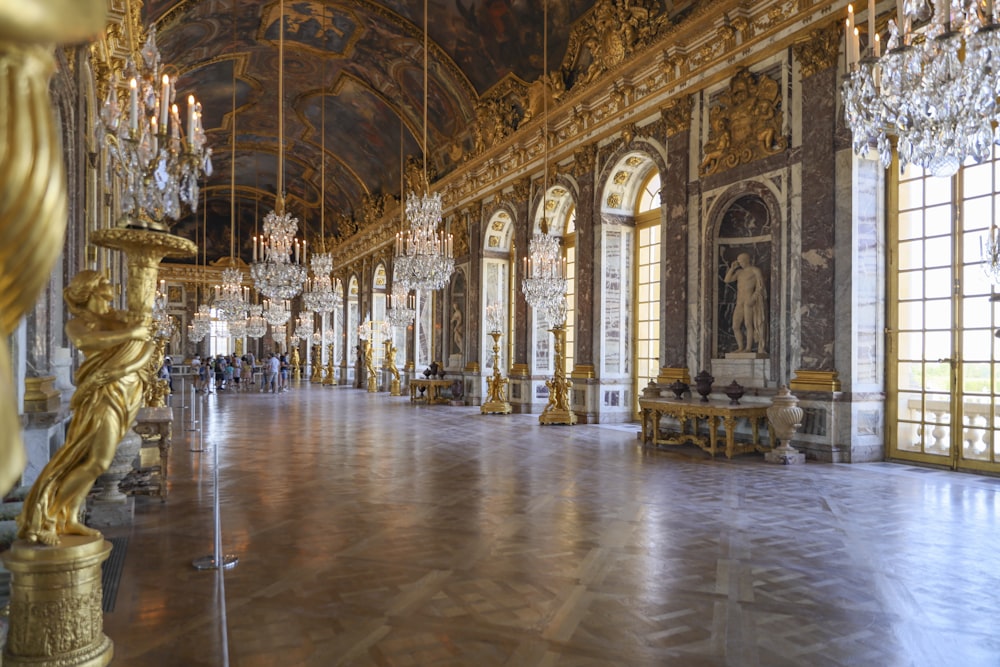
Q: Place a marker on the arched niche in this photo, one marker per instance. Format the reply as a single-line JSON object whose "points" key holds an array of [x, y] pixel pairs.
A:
{"points": [[353, 319], [498, 283], [623, 184], [454, 343], [557, 208], [745, 222]]}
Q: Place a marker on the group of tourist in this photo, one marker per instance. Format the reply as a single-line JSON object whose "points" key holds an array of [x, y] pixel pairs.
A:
{"points": [[239, 373]]}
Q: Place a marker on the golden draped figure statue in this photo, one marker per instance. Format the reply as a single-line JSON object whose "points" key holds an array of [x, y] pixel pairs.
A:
{"points": [[109, 388], [33, 207]]}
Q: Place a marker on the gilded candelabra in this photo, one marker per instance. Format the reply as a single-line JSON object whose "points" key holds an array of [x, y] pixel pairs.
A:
{"points": [[390, 365], [557, 409], [329, 379], [317, 364], [370, 366], [496, 385]]}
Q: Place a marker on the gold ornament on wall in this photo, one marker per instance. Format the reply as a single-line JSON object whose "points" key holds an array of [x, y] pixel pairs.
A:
{"points": [[819, 52], [745, 125]]}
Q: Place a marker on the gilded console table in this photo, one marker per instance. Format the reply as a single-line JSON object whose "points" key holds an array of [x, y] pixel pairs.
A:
{"points": [[155, 427], [433, 387], [713, 413]]}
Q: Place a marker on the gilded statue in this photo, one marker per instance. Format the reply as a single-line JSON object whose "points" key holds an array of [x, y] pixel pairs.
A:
{"points": [[33, 209], [109, 389]]}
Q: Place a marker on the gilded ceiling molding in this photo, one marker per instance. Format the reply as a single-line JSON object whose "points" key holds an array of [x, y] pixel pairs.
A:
{"points": [[676, 114], [819, 51], [745, 124], [123, 35]]}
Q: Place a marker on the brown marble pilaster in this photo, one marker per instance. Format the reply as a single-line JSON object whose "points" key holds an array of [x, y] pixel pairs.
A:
{"points": [[585, 250], [522, 233], [674, 242], [819, 94], [473, 219]]}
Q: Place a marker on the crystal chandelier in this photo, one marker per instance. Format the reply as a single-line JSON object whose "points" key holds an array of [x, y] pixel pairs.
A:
{"points": [[158, 163], [304, 326], [163, 324], [231, 297], [201, 326], [936, 90], [279, 274], [276, 312], [256, 324], [401, 311], [318, 294], [238, 328], [494, 318], [544, 285], [424, 259]]}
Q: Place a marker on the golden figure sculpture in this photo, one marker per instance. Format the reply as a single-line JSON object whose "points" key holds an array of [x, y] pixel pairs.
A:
{"points": [[370, 367], [157, 388], [317, 364], [390, 363], [329, 379], [33, 207], [296, 363], [108, 394]]}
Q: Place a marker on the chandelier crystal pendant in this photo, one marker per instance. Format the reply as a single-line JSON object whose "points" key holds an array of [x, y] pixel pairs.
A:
{"points": [[256, 324], [238, 328], [158, 161], [276, 312], [936, 90]]}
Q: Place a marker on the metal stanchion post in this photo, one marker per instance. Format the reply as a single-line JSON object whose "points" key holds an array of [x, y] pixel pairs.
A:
{"points": [[198, 442], [216, 559], [193, 407]]}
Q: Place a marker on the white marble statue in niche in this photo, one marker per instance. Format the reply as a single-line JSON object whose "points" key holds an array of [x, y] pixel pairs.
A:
{"points": [[750, 310]]}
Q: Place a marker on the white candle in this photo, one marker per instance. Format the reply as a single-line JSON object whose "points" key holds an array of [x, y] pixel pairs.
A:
{"points": [[296, 251], [190, 119], [164, 101], [152, 128], [857, 45], [255, 249], [304, 250], [847, 44], [878, 45], [133, 104]]}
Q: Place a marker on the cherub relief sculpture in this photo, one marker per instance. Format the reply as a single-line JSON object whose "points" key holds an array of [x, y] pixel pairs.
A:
{"points": [[745, 125]]}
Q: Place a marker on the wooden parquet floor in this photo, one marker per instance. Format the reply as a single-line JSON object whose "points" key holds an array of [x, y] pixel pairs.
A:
{"points": [[374, 532]]}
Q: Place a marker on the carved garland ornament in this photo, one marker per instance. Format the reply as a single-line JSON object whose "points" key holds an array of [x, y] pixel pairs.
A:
{"points": [[745, 125]]}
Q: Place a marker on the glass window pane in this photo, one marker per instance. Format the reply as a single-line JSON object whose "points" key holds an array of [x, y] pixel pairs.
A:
{"points": [[937, 283], [911, 194], [938, 221], [911, 315], [937, 345], [977, 214], [911, 345], [937, 191], [937, 376], [911, 255], [937, 314], [911, 224], [911, 285], [937, 252], [976, 313], [977, 180], [910, 375], [977, 345], [976, 378]]}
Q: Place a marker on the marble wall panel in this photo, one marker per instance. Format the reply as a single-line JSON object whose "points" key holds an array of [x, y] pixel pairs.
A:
{"points": [[674, 275]]}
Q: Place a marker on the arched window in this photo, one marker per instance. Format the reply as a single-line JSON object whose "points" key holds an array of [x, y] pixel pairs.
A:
{"points": [[646, 301], [569, 254]]}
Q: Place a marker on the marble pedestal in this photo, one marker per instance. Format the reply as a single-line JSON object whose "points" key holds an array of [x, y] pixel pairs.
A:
{"points": [[746, 368]]}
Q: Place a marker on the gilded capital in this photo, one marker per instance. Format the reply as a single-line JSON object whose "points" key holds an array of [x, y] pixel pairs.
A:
{"points": [[819, 51], [584, 160], [522, 189], [676, 115]]}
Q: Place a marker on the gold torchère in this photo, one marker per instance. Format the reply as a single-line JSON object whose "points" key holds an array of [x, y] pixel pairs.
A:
{"points": [[317, 365], [496, 386], [557, 410], [370, 367], [328, 380], [33, 208], [55, 611], [390, 364]]}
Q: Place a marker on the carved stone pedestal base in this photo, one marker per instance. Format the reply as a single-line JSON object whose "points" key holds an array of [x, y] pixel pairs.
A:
{"points": [[557, 416], [495, 408], [394, 387], [785, 456], [55, 604]]}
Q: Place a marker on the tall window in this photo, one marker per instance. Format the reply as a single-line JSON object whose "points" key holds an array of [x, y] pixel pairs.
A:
{"points": [[944, 372], [218, 341], [569, 254], [647, 286]]}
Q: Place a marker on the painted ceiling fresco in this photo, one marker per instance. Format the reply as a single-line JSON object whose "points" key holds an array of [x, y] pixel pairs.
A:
{"points": [[361, 60]]}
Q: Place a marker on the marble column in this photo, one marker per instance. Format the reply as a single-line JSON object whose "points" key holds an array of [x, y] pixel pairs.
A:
{"points": [[674, 242], [522, 233], [474, 294], [583, 171], [819, 121]]}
